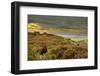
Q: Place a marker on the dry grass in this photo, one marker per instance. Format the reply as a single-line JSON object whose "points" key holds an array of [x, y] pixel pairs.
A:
{"points": [[50, 47]]}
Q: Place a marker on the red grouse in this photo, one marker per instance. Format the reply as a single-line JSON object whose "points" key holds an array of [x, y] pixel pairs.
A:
{"points": [[44, 49]]}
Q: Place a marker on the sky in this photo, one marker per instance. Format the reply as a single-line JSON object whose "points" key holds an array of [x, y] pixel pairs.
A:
{"points": [[62, 23]]}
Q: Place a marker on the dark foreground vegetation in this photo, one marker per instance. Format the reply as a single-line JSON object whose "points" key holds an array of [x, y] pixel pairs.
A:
{"points": [[50, 47]]}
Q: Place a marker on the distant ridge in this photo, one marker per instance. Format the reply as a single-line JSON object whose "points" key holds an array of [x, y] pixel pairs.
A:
{"points": [[44, 33]]}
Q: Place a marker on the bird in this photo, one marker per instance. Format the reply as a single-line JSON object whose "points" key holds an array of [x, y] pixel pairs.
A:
{"points": [[44, 49]]}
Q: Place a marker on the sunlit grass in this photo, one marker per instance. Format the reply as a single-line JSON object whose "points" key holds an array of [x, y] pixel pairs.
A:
{"points": [[79, 39]]}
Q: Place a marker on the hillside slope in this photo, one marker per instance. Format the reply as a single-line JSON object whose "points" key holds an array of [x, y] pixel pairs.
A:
{"points": [[50, 47]]}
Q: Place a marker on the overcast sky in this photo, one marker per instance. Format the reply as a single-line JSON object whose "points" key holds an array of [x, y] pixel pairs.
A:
{"points": [[59, 21]]}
